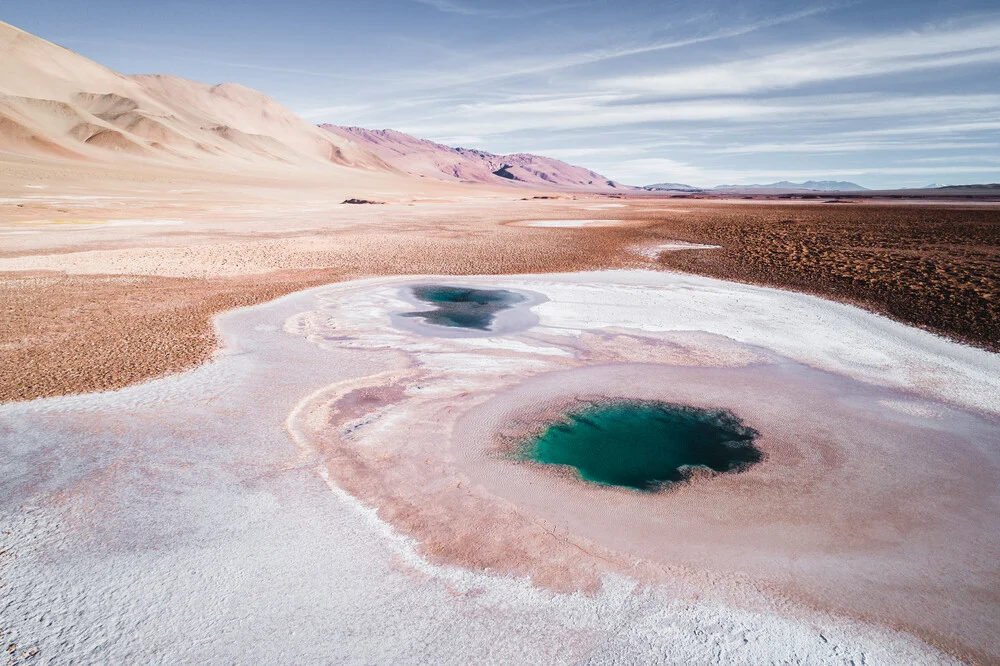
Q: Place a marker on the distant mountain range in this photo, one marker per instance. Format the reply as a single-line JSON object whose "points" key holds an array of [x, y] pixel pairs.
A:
{"points": [[672, 187], [424, 158], [976, 187], [813, 185], [958, 188], [809, 185]]}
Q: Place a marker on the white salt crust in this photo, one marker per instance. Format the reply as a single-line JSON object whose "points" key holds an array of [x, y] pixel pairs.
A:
{"points": [[178, 522]]}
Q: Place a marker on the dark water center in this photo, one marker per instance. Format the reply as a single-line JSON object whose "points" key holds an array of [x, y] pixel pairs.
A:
{"points": [[461, 307], [645, 445]]}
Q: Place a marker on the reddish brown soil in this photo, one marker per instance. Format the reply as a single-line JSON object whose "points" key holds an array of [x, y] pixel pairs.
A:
{"points": [[69, 334], [934, 267], [64, 334]]}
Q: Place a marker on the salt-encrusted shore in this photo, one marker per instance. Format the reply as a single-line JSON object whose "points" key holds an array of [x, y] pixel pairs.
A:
{"points": [[197, 518], [881, 468]]}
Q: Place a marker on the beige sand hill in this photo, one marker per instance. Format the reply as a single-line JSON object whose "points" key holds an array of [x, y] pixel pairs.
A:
{"points": [[424, 158], [56, 103]]}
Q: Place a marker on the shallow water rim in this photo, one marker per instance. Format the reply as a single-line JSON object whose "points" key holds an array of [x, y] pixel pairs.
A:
{"points": [[515, 318], [730, 434]]}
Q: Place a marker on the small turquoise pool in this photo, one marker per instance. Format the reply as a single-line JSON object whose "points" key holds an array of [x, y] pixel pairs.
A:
{"points": [[461, 307], [644, 445]]}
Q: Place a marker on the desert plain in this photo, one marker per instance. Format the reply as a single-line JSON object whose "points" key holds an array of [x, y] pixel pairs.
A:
{"points": [[221, 445], [121, 297]]}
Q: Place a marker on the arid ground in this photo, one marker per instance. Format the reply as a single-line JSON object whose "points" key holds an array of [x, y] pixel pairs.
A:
{"points": [[108, 286], [100, 293]]}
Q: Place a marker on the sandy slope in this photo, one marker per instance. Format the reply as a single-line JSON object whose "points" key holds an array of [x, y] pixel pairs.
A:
{"points": [[57, 104]]}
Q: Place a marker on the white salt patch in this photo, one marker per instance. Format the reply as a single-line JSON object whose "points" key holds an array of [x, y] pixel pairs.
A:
{"points": [[913, 409], [500, 343], [142, 223], [654, 252], [75, 197], [570, 223], [866, 346]]}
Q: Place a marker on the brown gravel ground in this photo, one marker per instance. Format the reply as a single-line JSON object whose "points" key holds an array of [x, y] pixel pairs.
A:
{"points": [[81, 333], [66, 334], [934, 267]]}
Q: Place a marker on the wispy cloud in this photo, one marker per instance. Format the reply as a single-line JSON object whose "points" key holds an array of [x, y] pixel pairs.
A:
{"points": [[831, 61], [595, 111], [940, 128], [856, 146], [610, 54], [711, 94], [511, 11], [514, 67], [986, 161], [451, 7]]}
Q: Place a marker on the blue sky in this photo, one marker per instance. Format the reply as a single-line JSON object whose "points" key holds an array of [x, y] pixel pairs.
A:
{"points": [[885, 93]]}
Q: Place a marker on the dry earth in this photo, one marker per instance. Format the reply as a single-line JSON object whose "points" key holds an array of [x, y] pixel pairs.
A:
{"points": [[933, 266], [90, 304], [103, 290]]}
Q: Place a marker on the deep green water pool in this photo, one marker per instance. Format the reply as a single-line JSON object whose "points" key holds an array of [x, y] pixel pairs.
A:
{"points": [[644, 445], [461, 307]]}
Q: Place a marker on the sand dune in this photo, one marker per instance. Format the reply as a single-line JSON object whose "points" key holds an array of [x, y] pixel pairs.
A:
{"points": [[56, 103], [253, 121]]}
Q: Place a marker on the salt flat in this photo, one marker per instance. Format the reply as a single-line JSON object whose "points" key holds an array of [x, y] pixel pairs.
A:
{"points": [[198, 518]]}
